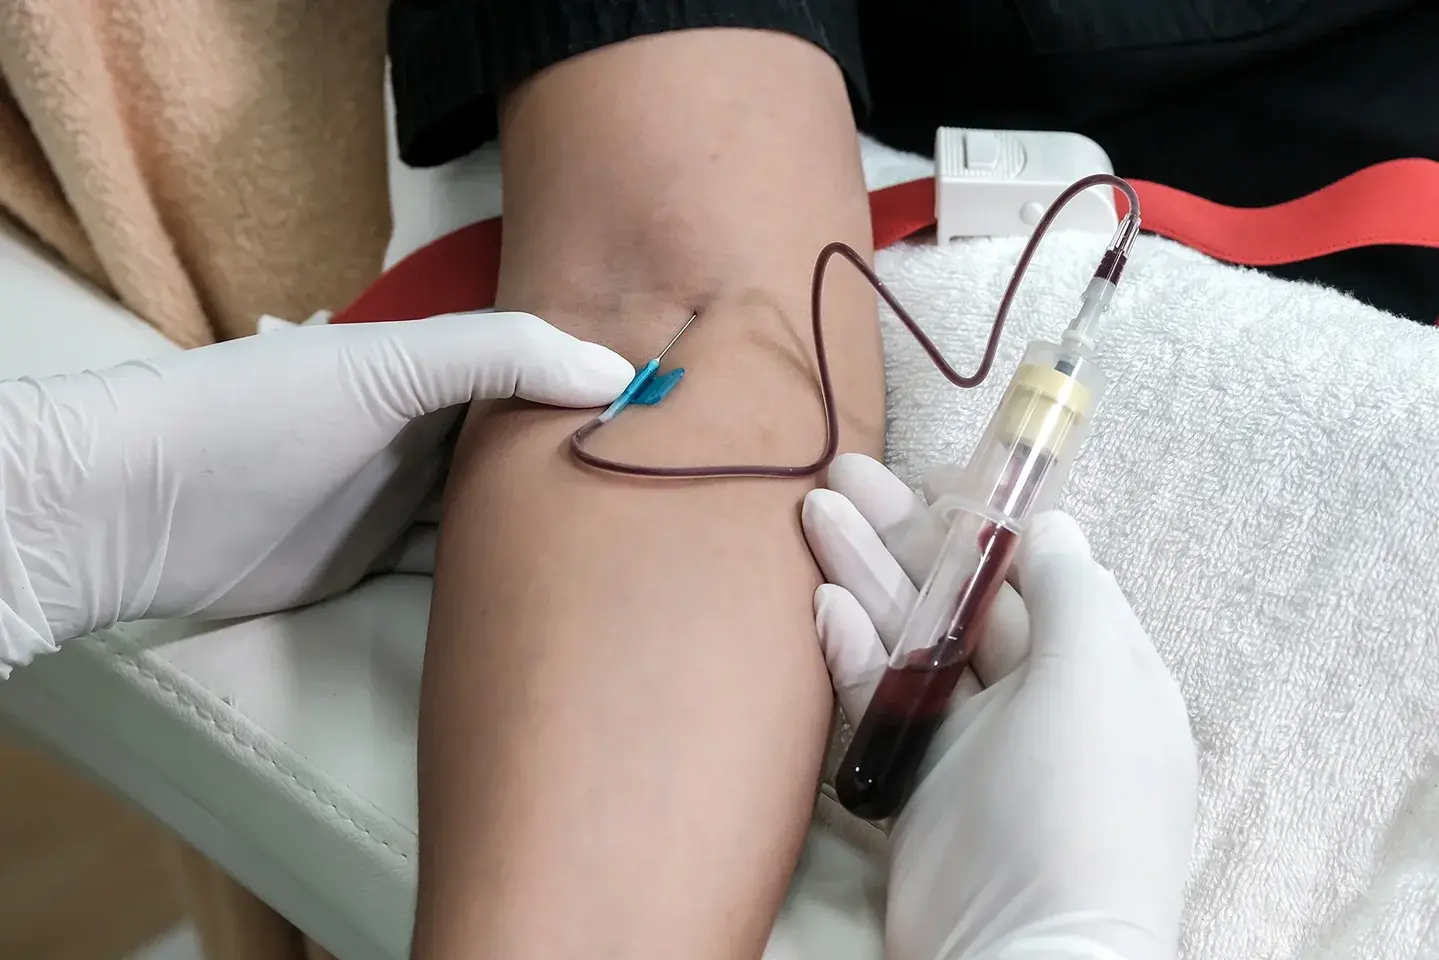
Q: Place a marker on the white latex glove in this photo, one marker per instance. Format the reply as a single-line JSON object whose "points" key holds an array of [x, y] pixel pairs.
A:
{"points": [[1055, 812], [248, 476]]}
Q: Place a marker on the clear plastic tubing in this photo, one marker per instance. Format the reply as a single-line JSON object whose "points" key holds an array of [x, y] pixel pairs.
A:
{"points": [[1016, 471]]}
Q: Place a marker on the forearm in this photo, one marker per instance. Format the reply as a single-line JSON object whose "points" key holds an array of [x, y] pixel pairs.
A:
{"points": [[623, 707]]}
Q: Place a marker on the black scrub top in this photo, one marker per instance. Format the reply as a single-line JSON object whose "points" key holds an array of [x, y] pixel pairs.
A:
{"points": [[1245, 102]]}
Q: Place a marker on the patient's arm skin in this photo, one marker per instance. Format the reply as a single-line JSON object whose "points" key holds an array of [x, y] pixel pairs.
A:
{"points": [[623, 707]]}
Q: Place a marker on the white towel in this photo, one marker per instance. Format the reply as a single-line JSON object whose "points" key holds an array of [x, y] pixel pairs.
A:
{"points": [[1263, 478]]}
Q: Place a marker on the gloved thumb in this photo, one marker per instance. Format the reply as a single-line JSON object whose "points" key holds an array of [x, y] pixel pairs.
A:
{"points": [[431, 364], [1062, 585]]}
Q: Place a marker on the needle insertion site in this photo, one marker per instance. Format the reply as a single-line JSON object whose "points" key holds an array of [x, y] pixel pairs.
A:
{"points": [[675, 339]]}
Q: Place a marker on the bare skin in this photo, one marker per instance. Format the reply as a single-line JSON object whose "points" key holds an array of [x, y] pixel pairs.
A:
{"points": [[624, 708]]}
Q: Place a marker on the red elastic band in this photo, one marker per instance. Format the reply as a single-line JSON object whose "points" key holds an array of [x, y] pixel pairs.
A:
{"points": [[1395, 202]]}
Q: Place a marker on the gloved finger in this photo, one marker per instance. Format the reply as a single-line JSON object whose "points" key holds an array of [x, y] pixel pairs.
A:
{"points": [[851, 555], [1106, 618], [913, 537], [964, 704], [268, 323], [938, 482], [1127, 626], [271, 324], [852, 649], [907, 527], [971, 702], [423, 365], [1003, 642], [1065, 592], [968, 687]]}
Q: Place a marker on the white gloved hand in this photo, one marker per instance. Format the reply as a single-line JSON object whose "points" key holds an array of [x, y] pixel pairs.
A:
{"points": [[252, 475], [1055, 812]]}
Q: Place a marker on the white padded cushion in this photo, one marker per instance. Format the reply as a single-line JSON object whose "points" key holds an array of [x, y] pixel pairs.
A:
{"points": [[51, 322], [282, 747]]}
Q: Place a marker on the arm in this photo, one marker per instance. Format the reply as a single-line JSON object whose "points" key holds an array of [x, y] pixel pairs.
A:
{"points": [[589, 786]]}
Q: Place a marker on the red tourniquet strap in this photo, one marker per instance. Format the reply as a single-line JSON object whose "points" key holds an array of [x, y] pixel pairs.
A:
{"points": [[1395, 202]]}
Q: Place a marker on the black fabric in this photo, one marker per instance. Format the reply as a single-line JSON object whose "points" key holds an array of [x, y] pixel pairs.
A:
{"points": [[1246, 102], [450, 58]]}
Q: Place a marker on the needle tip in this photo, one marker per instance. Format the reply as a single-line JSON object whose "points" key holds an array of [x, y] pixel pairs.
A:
{"points": [[678, 334]]}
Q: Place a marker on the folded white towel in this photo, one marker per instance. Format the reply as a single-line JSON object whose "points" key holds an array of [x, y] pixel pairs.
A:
{"points": [[1263, 478]]}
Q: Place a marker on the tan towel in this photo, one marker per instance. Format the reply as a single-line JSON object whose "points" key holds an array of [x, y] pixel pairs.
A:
{"points": [[205, 161]]}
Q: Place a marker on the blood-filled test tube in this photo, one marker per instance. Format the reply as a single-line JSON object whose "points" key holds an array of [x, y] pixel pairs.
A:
{"points": [[1017, 470]]}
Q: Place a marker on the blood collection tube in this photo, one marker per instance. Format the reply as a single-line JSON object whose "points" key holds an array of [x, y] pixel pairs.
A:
{"points": [[1016, 471]]}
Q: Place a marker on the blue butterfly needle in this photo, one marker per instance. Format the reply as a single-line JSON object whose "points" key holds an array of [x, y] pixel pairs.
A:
{"points": [[646, 388]]}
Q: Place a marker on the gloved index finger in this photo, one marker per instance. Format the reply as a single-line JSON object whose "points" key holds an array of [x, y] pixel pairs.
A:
{"points": [[851, 555], [904, 523], [428, 365]]}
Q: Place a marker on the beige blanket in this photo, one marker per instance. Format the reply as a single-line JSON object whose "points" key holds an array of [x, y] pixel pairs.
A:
{"points": [[204, 161]]}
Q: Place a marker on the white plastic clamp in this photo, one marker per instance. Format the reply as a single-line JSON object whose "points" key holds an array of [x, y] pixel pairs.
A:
{"points": [[998, 183]]}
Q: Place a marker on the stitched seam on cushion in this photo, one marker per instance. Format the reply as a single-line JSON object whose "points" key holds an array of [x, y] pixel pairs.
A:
{"points": [[827, 813], [206, 712]]}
